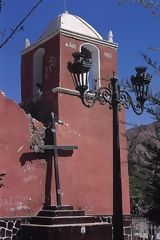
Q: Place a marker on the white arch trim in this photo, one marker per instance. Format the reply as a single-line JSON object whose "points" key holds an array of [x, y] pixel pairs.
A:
{"points": [[37, 70], [95, 62]]}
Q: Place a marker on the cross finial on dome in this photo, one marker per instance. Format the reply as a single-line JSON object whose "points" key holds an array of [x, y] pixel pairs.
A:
{"points": [[65, 7]]}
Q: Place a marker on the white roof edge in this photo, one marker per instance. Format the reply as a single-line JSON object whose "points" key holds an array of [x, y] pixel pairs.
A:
{"points": [[88, 25], [70, 22], [73, 34]]}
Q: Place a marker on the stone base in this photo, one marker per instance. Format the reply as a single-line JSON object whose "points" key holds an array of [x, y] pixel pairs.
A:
{"points": [[9, 227], [127, 227], [93, 231], [65, 223], [82, 225]]}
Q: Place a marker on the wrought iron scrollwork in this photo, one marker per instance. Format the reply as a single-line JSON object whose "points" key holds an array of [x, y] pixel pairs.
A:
{"points": [[127, 101], [89, 98], [111, 94], [103, 95]]}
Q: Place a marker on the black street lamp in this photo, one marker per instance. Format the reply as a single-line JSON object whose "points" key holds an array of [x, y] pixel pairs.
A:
{"points": [[80, 71], [113, 95]]}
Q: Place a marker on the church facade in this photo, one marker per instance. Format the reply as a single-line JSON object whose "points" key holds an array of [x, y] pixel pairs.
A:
{"points": [[86, 174]]}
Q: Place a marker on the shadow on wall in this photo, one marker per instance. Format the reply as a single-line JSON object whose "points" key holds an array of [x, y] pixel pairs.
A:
{"points": [[48, 156]]}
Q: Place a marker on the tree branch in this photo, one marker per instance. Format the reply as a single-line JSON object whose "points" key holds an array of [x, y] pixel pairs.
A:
{"points": [[153, 6]]}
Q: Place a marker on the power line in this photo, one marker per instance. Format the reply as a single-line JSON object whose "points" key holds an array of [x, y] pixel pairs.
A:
{"points": [[19, 25]]}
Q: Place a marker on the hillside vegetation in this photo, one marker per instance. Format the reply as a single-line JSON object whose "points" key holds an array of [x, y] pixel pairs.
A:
{"points": [[144, 170]]}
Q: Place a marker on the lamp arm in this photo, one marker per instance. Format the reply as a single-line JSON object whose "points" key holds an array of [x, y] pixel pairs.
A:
{"points": [[127, 101], [103, 95], [88, 98]]}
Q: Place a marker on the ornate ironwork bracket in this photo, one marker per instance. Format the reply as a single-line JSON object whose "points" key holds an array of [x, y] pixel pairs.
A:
{"points": [[104, 95]]}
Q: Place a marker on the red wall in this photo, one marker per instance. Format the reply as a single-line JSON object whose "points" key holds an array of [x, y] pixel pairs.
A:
{"points": [[24, 183], [50, 70], [86, 177]]}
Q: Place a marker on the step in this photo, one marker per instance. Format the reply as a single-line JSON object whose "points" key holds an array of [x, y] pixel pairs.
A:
{"points": [[86, 231], [55, 213], [64, 220], [62, 207]]}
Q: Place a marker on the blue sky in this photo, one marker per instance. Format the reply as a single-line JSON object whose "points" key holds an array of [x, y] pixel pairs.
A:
{"points": [[133, 27]]}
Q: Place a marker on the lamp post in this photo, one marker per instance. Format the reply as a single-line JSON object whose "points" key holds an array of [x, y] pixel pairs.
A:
{"points": [[115, 97]]}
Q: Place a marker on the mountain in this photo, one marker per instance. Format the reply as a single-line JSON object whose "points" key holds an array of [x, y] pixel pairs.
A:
{"points": [[144, 166], [139, 138]]}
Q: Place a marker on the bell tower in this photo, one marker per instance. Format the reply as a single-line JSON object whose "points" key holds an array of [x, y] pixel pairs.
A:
{"points": [[47, 86]]}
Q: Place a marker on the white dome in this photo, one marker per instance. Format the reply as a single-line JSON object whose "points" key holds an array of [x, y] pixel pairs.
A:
{"points": [[70, 23]]}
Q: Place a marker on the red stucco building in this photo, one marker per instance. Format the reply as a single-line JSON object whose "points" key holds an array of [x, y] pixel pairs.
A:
{"points": [[47, 86], [86, 177]]}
